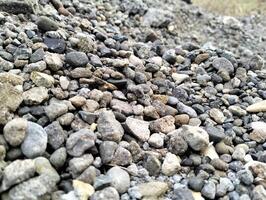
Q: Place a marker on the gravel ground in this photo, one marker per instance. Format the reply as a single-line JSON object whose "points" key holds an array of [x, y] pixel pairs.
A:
{"points": [[130, 100]]}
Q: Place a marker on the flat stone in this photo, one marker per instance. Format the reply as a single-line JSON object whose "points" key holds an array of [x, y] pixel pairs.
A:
{"points": [[138, 128], [80, 141], [41, 79], [35, 142], [179, 78], [35, 95], [109, 127], [145, 191], [55, 45], [257, 107], [217, 115], [76, 59], [184, 109], [13, 79], [223, 64]]}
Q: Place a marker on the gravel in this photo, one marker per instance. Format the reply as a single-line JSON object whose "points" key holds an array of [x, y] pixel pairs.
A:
{"points": [[130, 100]]}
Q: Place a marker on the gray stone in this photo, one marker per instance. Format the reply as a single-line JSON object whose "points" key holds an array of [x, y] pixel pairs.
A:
{"points": [[109, 193], [107, 151], [122, 157], [55, 110], [177, 145], [153, 165], [138, 128], [184, 109], [35, 142], [121, 106], [19, 6], [120, 179], [42, 79], [47, 24], [109, 127], [15, 131], [76, 59], [80, 141], [223, 64], [209, 190], [196, 183], [56, 134], [196, 137], [35, 95], [58, 157], [17, 172], [37, 187], [224, 186], [79, 164], [183, 194], [88, 175], [245, 176]]}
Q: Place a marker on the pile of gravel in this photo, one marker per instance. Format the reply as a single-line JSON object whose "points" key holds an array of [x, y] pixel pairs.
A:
{"points": [[105, 103]]}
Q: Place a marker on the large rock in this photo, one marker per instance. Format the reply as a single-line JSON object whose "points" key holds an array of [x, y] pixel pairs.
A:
{"points": [[196, 137], [76, 59], [56, 134], [15, 131], [171, 164], [35, 96], [55, 109], [13, 79], [257, 107], [259, 132], [109, 127], [35, 142], [80, 141], [138, 128], [120, 179], [19, 6], [37, 187], [17, 172], [10, 97]]}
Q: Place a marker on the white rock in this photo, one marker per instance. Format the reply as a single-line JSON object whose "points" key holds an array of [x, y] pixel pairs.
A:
{"points": [[179, 78], [257, 107], [171, 164]]}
